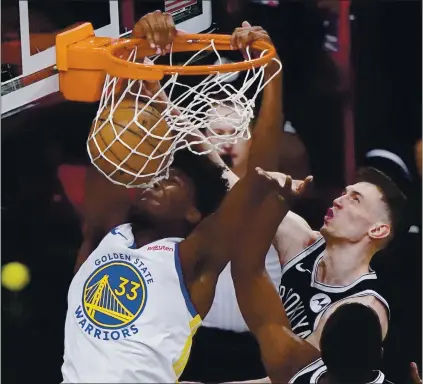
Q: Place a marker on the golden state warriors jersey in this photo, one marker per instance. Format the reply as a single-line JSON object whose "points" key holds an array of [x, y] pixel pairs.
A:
{"points": [[130, 318]]}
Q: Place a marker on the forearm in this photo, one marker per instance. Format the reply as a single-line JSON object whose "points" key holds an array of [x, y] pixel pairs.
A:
{"points": [[237, 218], [267, 135], [259, 235], [258, 300], [282, 352], [257, 297]]}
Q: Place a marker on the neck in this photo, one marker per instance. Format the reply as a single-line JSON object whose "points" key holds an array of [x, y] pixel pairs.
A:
{"points": [[146, 232], [240, 170], [343, 263]]}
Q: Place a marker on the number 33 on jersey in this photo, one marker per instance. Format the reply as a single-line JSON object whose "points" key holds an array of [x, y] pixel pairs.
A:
{"points": [[114, 296]]}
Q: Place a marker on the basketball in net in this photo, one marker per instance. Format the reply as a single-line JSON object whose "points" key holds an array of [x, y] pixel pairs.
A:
{"points": [[127, 149], [130, 142]]}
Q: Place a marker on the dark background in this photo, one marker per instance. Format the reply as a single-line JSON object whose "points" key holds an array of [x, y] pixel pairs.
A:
{"points": [[43, 154]]}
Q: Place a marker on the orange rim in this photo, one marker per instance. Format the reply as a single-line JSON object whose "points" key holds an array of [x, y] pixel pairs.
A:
{"points": [[119, 67]]}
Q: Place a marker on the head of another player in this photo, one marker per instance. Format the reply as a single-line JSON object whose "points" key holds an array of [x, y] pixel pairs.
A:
{"points": [[195, 188], [351, 344], [370, 211], [222, 116]]}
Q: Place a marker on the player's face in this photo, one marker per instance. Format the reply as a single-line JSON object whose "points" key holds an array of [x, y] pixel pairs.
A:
{"points": [[170, 200], [233, 154], [358, 213]]}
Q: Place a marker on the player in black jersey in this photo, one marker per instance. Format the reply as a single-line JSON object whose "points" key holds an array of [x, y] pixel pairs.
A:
{"points": [[362, 221], [351, 349], [336, 267], [350, 344]]}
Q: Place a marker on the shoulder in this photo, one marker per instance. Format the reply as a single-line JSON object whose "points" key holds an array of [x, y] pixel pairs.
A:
{"points": [[370, 300], [379, 307], [293, 235]]}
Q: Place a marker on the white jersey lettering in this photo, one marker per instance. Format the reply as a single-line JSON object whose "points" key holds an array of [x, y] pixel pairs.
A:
{"points": [[130, 318]]}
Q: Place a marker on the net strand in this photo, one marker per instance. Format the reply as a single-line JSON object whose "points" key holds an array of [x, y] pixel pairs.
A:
{"points": [[194, 109]]}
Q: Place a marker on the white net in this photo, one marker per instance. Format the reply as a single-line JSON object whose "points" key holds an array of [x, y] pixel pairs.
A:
{"points": [[131, 152]]}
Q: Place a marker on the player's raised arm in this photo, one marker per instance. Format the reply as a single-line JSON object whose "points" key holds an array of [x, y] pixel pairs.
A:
{"points": [[215, 238], [106, 205], [267, 135], [252, 210], [295, 234], [283, 353]]}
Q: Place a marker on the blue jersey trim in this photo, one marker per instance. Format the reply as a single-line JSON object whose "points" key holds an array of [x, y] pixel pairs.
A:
{"points": [[184, 289]]}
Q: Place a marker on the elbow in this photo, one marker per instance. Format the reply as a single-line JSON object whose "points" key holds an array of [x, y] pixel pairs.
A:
{"points": [[259, 187], [91, 237], [241, 270], [236, 271], [92, 233]]}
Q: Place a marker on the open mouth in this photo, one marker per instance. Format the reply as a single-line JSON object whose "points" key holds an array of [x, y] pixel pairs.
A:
{"points": [[329, 214], [150, 192]]}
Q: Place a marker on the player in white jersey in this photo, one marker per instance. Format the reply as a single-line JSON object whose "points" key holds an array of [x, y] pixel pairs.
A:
{"points": [[121, 297], [143, 287]]}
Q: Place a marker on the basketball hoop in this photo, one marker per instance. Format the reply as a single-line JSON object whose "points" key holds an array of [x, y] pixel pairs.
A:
{"points": [[92, 68]]}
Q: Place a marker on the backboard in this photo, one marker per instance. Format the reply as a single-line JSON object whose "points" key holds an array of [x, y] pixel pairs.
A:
{"points": [[28, 36]]}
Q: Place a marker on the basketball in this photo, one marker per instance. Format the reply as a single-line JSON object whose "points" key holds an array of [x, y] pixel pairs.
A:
{"points": [[118, 141]]}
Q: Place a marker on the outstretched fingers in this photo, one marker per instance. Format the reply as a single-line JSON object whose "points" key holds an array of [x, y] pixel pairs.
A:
{"points": [[283, 185], [305, 185]]}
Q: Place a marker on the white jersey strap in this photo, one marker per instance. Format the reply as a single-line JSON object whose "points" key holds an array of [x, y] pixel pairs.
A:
{"points": [[317, 375], [380, 379], [318, 369], [367, 292], [317, 364]]}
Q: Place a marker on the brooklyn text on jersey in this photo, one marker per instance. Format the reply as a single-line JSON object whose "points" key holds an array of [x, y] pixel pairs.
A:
{"points": [[306, 299]]}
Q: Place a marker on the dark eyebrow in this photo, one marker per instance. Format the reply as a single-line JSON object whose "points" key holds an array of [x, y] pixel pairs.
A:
{"points": [[354, 192]]}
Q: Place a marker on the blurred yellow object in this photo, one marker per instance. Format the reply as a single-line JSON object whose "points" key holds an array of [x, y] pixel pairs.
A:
{"points": [[15, 276]]}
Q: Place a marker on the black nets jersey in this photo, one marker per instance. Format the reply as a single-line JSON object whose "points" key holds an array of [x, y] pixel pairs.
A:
{"points": [[314, 373], [306, 300]]}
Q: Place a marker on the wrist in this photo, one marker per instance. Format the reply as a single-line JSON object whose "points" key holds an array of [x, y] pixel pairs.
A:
{"points": [[273, 67]]}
